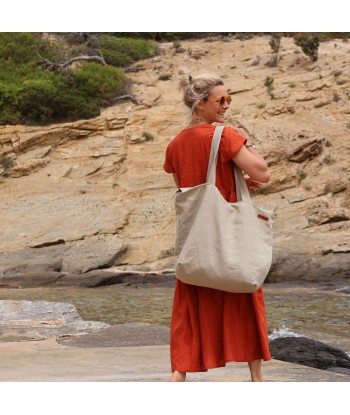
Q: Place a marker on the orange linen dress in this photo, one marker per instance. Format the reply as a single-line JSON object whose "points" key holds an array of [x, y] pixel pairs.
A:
{"points": [[211, 327]]}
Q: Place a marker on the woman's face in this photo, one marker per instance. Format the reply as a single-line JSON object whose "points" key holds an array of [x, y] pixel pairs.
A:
{"points": [[211, 110]]}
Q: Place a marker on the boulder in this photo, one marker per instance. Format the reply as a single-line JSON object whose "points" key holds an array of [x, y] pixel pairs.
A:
{"points": [[97, 252], [308, 352]]}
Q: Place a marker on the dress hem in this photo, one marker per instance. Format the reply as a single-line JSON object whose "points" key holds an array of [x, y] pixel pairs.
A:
{"points": [[218, 366]]}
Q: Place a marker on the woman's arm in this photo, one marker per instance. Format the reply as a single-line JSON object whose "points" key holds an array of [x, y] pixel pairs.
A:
{"points": [[250, 161]]}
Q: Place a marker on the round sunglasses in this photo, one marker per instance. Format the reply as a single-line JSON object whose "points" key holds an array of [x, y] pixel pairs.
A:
{"points": [[221, 101]]}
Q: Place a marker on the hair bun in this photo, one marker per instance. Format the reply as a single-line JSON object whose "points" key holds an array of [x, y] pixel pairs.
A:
{"points": [[184, 83]]}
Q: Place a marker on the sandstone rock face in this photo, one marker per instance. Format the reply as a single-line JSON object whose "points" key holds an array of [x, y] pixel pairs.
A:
{"points": [[93, 193]]}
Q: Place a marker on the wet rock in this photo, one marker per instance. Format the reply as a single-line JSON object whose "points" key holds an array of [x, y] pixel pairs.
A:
{"points": [[308, 352], [23, 320], [121, 335]]}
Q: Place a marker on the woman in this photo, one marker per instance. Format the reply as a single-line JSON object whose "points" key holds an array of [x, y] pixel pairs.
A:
{"points": [[211, 327]]}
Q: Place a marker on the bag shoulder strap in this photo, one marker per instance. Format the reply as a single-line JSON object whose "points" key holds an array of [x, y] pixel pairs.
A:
{"points": [[242, 191], [214, 151], [241, 185]]}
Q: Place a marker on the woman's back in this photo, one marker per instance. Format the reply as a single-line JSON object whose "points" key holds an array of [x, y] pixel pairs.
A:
{"points": [[188, 153]]}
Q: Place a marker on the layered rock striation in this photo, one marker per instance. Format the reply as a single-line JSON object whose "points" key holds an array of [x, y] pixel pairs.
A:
{"points": [[91, 196]]}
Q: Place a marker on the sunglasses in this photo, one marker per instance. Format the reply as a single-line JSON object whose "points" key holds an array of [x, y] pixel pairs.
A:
{"points": [[222, 100]]}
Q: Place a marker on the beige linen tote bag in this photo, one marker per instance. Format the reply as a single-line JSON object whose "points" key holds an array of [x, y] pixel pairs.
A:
{"points": [[222, 245]]}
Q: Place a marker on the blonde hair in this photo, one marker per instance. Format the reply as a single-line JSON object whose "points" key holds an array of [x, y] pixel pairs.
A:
{"points": [[196, 89]]}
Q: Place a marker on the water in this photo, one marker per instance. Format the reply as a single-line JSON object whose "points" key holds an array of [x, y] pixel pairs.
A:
{"points": [[313, 310]]}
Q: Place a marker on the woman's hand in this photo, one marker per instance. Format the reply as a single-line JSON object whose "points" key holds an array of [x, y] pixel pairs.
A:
{"points": [[252, 185]]}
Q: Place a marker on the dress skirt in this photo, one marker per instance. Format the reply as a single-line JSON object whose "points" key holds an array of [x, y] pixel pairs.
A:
{"points": [[211, 327]]}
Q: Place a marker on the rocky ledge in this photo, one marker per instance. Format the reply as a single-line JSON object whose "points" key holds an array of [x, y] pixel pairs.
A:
{"points": [[27, 270], [40, 320]]}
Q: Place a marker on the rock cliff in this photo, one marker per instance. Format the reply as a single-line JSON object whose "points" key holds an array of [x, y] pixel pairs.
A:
{"points": [[92, 195]]}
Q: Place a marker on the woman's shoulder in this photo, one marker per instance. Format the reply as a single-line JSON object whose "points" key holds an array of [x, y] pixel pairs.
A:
{"points": [[199, 131], [230, 132], [204, 131], [231, 142]]}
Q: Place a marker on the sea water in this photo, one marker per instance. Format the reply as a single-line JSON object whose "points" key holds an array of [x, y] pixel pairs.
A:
{"points": [[316, 310]]}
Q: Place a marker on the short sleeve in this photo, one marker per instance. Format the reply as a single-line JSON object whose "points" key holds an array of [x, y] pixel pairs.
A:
{"points": [[231, 142], [168, 166]]}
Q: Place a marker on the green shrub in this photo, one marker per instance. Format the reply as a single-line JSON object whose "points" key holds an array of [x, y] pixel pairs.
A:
{"points": [[22, 48], [273, 61], [269, 86], [275, 42], [178, 47], [65, 96], [329, 160], [268, 81], [37, 100], [147, 136], [29, 94], [163, 36], [164, 77], [6, 162], [103, 82], [124, 51], [309, 44], [46, 101], [261, 104]]}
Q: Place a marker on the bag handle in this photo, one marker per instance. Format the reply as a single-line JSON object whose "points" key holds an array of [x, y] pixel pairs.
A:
{"points": [[241, 185], [214, 151]]}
